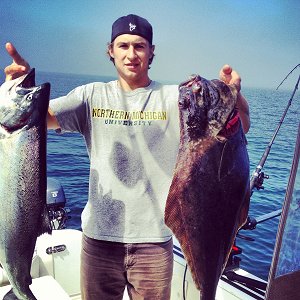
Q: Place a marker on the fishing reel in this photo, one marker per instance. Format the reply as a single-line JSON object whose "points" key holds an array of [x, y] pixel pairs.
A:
{"points": [[260, 180], [56, 202]]}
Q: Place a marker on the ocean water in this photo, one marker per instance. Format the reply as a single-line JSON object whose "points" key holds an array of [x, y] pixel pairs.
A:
{"points": [[68, 162]]}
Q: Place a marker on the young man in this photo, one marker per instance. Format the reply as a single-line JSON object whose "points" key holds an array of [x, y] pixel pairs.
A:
{"points": [[131, 129]]}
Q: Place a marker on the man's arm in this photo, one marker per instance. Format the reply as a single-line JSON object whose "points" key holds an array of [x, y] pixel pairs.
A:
{"points": [[230, 76], [52, 122], [20, 67], [243, 108]]}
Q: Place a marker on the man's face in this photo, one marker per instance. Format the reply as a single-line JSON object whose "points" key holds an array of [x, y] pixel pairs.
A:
{"points": [[131, 55]]}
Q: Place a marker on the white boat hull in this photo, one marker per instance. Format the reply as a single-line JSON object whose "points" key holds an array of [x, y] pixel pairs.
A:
{"points": [[56, 272]]}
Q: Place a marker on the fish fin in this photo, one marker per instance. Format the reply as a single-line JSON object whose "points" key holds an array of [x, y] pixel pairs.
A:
{"points": [[172, 211], [10, 296], [45, 222], [189, 257], [174, 219], [173, 214]]}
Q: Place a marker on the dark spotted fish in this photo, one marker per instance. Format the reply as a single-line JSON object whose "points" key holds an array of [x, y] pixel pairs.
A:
{"points": [[23, 213], [209, 196]]}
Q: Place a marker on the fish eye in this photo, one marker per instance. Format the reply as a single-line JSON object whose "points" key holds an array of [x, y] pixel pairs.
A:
{"points": [[184, 99], [184, 104]]}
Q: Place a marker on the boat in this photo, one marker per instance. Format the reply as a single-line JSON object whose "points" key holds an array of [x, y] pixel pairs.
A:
{"points": [[55, 272], [55, 266], [56, 262]]}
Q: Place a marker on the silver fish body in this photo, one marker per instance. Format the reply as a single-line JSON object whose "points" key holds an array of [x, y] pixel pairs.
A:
{"points": [[23, 179], [209, 196]]}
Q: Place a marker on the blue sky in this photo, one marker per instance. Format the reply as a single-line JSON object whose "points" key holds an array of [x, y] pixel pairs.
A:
{"points": [[259, 38]]}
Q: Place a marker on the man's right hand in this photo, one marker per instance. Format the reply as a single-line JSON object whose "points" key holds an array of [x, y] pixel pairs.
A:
{"points": [[19, 65]]}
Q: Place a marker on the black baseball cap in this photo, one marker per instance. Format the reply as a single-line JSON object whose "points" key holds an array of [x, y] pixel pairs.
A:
{"points": [[132, 24]]}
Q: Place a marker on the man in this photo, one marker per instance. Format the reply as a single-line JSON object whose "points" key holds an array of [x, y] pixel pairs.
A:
{"points": [[131, 129]]}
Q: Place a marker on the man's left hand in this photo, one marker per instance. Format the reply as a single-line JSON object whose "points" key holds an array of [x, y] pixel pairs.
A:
{"points": [[230, 76]]}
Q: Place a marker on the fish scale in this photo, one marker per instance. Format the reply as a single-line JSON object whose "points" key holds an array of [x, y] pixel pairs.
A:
{"points": [[209, 195]]}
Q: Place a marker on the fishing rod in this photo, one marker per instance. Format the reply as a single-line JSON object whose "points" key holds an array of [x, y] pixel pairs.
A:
{"points": [[257, 182], [258, 176]]}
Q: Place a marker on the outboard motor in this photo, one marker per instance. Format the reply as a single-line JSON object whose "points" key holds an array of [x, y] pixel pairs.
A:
{"points": [[56, 202]]}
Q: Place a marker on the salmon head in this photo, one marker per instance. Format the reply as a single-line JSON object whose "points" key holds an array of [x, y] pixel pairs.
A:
{"points": [[20, 103]]}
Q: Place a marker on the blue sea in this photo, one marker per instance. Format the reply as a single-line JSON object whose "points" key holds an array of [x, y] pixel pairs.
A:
{"points": [[68, 162]]}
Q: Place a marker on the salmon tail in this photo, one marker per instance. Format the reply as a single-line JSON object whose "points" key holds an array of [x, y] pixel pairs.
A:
{"points": [[11, 295]]}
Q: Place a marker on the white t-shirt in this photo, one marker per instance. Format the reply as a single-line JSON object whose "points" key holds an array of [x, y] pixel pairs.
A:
{"points": [[132, 140]]}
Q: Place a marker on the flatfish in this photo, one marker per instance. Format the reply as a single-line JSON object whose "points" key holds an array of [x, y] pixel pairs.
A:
{"points": [[209, 195]]}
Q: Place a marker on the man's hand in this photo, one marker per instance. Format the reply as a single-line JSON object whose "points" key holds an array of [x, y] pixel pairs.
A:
{"points": [[19, 65], [230, 76]]}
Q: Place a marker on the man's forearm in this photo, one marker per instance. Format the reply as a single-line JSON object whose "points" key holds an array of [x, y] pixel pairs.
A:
{"points": [[243, 108]]}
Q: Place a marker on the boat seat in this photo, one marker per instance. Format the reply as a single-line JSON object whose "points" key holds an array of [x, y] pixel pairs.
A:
{"points": [[44, 288]]}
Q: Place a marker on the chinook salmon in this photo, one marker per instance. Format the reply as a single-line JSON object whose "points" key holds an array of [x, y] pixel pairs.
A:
{"points": [[209, 196], [23, 180]]}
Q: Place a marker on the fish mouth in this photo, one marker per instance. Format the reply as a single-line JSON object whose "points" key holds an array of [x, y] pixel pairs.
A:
{"points": [[188, 93], [29, 80], [184, 99], [27, 84], [192, 106]]}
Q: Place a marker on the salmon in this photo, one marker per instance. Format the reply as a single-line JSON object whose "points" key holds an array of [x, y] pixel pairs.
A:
{"points": [[23, 179]]}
